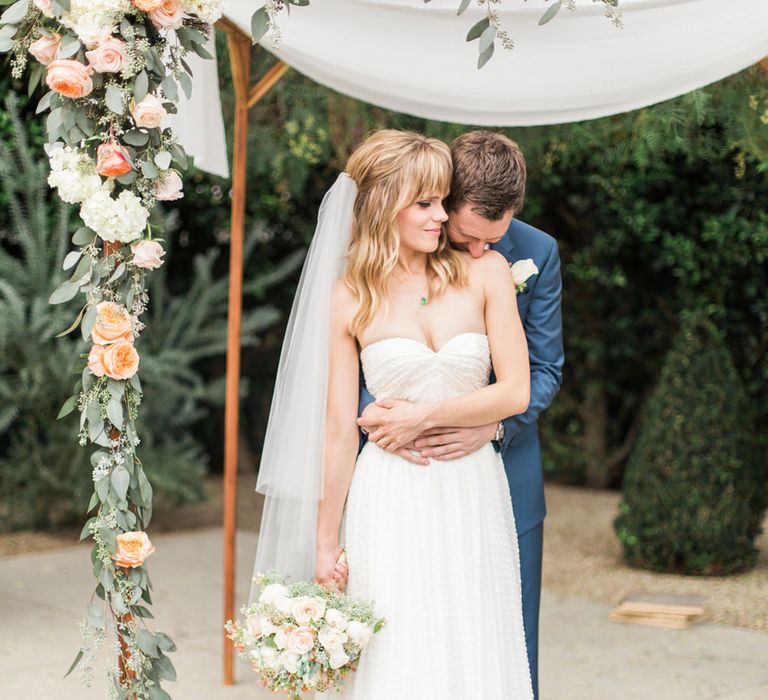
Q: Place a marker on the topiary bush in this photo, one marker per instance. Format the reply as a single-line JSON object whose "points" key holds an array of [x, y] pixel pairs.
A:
{"points": [[694, 490]]}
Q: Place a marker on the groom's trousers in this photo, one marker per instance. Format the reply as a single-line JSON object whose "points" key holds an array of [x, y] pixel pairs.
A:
{"points": [[531, 545]]}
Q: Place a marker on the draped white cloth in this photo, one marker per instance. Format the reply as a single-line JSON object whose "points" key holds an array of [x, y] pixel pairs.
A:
{"points": [[412, 57]]}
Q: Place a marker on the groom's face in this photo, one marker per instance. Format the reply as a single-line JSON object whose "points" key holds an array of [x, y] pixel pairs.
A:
{"points": [[469, 231]]}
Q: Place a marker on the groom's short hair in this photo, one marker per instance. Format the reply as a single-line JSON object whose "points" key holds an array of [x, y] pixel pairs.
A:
{"points": [[488, 172]]}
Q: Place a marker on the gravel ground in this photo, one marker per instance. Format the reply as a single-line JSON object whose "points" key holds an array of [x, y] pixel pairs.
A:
{"points": [[582, 556]]}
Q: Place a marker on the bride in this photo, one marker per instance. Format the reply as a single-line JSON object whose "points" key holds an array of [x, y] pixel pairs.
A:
{"points": [[434, 545]]}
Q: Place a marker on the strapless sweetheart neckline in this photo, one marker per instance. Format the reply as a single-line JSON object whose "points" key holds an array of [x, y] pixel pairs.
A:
{"points": [[422, 343]]}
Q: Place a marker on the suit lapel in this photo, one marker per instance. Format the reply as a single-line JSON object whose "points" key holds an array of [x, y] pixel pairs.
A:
{"points": [[505, 247]]}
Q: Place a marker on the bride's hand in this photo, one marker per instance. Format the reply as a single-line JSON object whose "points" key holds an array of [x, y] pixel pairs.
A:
{"points": [[400, 425], [329, 571]]}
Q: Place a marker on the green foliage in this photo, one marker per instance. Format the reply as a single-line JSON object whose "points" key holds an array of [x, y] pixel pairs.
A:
{"points": [[694, 490], [45, 477]]}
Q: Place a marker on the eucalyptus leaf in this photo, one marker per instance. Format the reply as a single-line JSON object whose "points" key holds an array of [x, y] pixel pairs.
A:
{"points": [[107, 579], [463, 6], [186, 84], [141, 86], [486, 38], [45, 102], [141, 611], [64, 293], [89, 320], [86, 531], [69, 46], [165, 642], [136, 137], [116, 388], [201, 51], [552, 10], [478, 28], [149, 170], [93, 502], [170, 88], [135, 383], [71, 259], [72, 327], [120, 480], [165, 668], [163, 160], [118, 273], [157, 693], [119, 604], [110, 538], [74, 663], [83, 236], [146, 641], [15, 13], [102, 488], [102, 439], [6, 45], [184, 39], [34, 76], [115, 415], [128, 178], [114, 99], [259, 24], [485, 56], [96, 615], [69, 405], [179, 155]]}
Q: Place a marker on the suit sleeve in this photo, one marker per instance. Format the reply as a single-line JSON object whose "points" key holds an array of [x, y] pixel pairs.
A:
{"points": [[544, 331], [365, 399]]}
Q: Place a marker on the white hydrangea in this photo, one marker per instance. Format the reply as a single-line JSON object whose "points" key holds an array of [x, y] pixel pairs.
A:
{"points": [[207, 10], [122, 219], [73, 173], [94, 20]]}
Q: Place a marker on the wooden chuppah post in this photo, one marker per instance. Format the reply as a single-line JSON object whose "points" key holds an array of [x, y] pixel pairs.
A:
{"points": [[239, 45]]}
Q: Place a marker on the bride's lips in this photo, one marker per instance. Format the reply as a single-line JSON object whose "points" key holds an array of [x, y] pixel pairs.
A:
{"points": [[432, 231]]}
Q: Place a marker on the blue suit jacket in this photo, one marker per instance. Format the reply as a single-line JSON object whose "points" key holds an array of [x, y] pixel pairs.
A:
{"points": [[539, 306]]}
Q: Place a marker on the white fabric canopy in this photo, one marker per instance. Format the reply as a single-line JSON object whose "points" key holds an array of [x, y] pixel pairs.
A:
{"points": [[412, 57]]}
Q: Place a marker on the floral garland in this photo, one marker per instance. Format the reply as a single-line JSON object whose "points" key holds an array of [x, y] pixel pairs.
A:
{"points": [[111, 71]]}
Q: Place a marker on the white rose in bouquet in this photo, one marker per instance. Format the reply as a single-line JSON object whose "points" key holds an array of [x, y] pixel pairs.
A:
{"points": [[359, 633], [289, 661], [338, 659], [300, 640], [336, 618], [332, 639], [521, 271], [272, 592], [306, 608], [269, 657]]}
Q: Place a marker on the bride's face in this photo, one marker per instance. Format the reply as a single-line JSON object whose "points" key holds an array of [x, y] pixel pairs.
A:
{"points": [[420, 224]]}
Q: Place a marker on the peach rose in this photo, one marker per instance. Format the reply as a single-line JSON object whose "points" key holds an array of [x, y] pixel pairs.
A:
{"points": [[45, 6], [108, 56], [118, 360], [147, 254], [306, 608], [113, 323], [147, 5], [301, 640], [133, 548], [169, 186], [69, 78], [112, 160], [45, 49], [169, 15], [149, 112]]}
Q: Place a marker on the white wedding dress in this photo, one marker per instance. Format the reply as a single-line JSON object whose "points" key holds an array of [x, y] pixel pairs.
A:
{"points": [[435, 547]]}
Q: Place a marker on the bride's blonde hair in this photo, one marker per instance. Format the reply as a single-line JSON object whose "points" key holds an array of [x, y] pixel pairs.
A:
{"points": [[393, 169]]}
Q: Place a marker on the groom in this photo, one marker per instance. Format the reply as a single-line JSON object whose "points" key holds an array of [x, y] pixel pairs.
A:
{"points": [[487, 191]]}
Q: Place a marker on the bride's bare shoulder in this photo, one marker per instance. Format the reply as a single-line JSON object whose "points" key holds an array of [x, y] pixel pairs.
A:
{"points": [[343, 302], [489, 265]]}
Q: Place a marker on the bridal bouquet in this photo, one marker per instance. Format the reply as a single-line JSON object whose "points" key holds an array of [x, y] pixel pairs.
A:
{"points": [[302, 636]]}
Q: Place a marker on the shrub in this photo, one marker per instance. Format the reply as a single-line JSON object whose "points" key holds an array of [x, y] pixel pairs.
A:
{"points": [[694, 486]]}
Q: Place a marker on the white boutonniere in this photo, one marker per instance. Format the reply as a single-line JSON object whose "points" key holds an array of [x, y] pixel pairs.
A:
{"points": [[521, 271]]}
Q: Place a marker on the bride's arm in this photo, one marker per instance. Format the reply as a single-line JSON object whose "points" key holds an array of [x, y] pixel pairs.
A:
{"points": [[508, 396], [341, 436]]}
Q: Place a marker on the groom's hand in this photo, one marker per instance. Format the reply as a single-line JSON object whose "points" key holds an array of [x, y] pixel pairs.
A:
{"points": [[451, 443]]}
